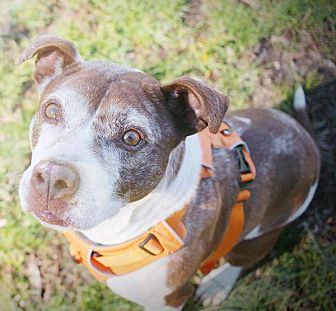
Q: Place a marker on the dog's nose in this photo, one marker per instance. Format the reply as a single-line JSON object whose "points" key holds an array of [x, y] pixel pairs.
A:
{"points": [[55, 180]]}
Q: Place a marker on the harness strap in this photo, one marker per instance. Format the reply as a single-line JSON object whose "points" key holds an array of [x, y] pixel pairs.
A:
{"points": [[234, 229], [105, 261]]}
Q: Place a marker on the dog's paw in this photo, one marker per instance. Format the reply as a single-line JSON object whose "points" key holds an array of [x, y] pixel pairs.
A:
{"points": [[212, 295], [216, 286]]}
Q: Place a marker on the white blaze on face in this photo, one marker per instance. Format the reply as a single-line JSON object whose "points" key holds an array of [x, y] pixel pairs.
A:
{"points": [[70, 141]]}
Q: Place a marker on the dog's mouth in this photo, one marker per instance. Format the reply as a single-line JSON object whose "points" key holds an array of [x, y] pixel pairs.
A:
{"points": [[51, 218], [49, 212]]}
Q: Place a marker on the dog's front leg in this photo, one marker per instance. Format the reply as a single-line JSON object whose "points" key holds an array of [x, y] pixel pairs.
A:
{"points": [[177, 299]]}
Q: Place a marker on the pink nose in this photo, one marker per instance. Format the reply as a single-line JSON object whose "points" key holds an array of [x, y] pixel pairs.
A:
{"points": [[55, 180]]}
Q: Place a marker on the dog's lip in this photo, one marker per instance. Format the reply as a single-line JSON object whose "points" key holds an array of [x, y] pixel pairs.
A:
{"points": [[50, 218]]}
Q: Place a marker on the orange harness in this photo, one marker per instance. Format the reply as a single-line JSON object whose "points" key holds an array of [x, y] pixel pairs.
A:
{"points": [[167, 237]]}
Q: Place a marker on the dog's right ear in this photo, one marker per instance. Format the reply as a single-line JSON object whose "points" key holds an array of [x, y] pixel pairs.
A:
{"points": [[53, 55]]}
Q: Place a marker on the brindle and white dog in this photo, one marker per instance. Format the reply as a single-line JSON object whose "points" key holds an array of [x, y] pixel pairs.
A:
{"points": [[114, 153]]}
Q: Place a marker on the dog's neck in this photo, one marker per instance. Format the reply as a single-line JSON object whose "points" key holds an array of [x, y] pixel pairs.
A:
{"points": [[175, 190]]}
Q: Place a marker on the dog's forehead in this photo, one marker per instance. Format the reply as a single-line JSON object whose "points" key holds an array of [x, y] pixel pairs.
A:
{"points": [[103, 85]]}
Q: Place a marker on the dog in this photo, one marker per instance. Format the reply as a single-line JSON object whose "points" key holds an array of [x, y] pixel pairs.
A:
{"points": [[115, 152]]}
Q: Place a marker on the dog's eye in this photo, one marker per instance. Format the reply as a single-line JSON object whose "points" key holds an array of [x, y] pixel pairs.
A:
{"points": [[52, 111], [132, 137]]}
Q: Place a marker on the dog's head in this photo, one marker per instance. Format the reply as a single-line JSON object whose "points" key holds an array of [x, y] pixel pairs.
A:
{"points": [[103, 134]]}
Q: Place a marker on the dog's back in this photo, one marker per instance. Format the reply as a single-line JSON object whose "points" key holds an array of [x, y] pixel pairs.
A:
{"points": [[287, 163]]}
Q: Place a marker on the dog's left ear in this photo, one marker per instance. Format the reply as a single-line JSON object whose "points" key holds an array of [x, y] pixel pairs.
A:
{"points": [[195, 105], [53, 55]]}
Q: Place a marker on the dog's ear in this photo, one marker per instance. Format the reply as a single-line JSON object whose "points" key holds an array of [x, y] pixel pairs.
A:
{"points": [[53, 55], [195, 104]]}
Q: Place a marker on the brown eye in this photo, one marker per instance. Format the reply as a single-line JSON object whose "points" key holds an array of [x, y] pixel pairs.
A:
{"points": [[131, 137], [52, 111]]}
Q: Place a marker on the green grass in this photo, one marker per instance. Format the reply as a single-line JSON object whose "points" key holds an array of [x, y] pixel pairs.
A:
{"points": [[303, 278], [157, 37]]}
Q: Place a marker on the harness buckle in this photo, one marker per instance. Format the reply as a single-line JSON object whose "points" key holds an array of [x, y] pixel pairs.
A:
{"points": [[151, 245], [244, 167]]}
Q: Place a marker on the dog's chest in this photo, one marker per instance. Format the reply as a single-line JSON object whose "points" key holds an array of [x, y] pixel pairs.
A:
{"points": [[146, 286]]}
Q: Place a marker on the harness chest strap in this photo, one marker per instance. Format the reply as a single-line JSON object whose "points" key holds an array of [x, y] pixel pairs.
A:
{"points": [[167, 237], [105, 261]]}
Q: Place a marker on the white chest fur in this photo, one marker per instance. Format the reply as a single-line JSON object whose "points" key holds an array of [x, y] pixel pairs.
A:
{"points": [[147, 286]]}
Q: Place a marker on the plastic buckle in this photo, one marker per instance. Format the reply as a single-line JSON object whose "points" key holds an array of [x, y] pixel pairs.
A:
{"points": [[244, 167]]}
